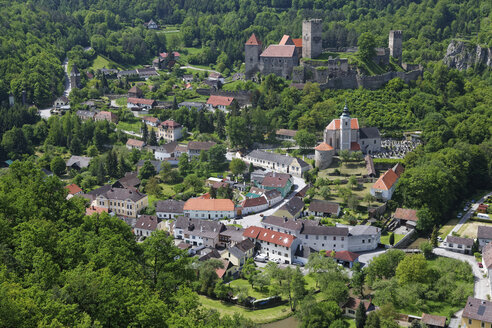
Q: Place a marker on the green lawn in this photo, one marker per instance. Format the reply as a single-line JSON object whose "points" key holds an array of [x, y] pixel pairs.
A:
{"points": [[257, 316], [135, 127], [386, 236], [104, 62], [447, 227], [121, 101]]}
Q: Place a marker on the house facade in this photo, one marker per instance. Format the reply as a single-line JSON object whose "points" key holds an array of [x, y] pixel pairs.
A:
{"points": [[151, 120], [219, 102], [292, 209], [484, 235], [323, 208], [477, 313], [145, 225], [197, 232], [240, 252], [106, 116], [386, 184], [123, 202], [135, 144], [140, 103], [285, 134], [276, 245], [211, 209], [170, 130], [458, 244], [254, 205], [196, 147], [282, 184], [169, 209], [165, 151], [276, 162]]}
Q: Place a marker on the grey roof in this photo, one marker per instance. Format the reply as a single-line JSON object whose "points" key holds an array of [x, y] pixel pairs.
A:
{"points": [[80, 161], [156, 164], [132, 72], [270, 157], [147, 222], [363, 230], [370, 165], [200, 145], [290, 224], [245, 245], [484, 232], [214, 254], [325, 230], [123, 194], [286, 176], [198, 227], [369, 133], [293, 206], [99, 191], [169, 206], [478, 309], [324, 206], [487, 255], [168, 148], [272, 194], [234, 233], [195, 104], [459, 240], [129, 180], [86, 113], [74, 70]]}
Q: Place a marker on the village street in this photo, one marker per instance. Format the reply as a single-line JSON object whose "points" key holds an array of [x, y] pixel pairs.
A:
{"points": [[469, 213]]}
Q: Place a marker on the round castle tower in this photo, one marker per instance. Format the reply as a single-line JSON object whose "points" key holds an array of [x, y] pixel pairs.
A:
{"points": [[323, 155]]}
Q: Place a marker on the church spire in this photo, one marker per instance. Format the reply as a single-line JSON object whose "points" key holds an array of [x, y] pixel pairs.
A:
{"points": [[345, 112]]}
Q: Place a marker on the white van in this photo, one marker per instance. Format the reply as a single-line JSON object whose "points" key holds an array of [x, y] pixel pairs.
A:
{"points": [[483, 216]]}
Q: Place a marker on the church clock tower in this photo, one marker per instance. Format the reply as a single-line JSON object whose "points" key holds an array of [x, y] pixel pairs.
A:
{"points": [[345, 129]]}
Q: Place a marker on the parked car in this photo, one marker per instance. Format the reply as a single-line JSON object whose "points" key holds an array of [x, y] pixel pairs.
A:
{"points": [[278, 261], [480, 265], [261, 258], [439, 239], [459, 215], [298, 264]]}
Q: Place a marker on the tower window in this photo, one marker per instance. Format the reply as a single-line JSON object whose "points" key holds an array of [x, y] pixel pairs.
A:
{"points": [[345, 123]]}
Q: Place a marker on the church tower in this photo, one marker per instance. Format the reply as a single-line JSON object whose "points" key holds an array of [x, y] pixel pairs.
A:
{"points": [[345, 129], [252, 51]]}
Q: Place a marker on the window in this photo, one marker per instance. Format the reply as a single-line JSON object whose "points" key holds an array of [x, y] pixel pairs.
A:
{"points": [[286, 255], [307, 237], [325, 237], [369, 241], [363, 241], [469, 321], [374, 141], [343, 238], [316, 237], [334, 246], [334, 238], [483, 324]]}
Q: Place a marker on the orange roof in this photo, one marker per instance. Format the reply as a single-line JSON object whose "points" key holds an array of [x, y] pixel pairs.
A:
{"points": [[73, 189], [95, 209], [297, 43], [141, 101], [263, 234], [286, 40], [221, 271], [170, 124], [354, 146], [398, 169], [335, 124], [135, 143], [276, 50], [406, 214], [323, 147], [200, 204], [220, 100], [344, 256], [253, 40], [386, 181]]}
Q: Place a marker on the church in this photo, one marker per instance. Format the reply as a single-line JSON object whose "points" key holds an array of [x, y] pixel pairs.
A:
{"points": [[345, 134]]}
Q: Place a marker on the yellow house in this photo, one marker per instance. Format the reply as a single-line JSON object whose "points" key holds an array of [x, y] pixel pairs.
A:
{"points": [[477, 314], [239, 253], [123, 202]]}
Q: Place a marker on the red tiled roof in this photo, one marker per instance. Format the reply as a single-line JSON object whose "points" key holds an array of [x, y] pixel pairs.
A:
{"points": [[151, 119], [286, 40], [73, 189], [220, 101], [323, 147], [344, 256], [105, 115], [278, 51], [253, 40], [142, 101], [95, 209], [286, 132], [386, 181], [335, 124], [170, 124], [165, 54], [199, 204], [406, 214], [433, 320], [354, 146], [278, 238], [297, 42], [135, 143], [252, 202], [274, 182], [398, 169], [221, 271]]}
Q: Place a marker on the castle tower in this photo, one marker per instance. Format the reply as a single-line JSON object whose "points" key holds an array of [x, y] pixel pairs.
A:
{"points": [[311, 38], [395, 44], [75, 77], [345, 129], [323, 155], [252, 51]]}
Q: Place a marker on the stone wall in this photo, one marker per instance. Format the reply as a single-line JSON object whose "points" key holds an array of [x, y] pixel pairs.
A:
{"points": [[369, 82]]}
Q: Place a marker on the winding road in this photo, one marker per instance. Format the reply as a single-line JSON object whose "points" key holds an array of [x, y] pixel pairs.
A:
{"points": [[46, 112]]}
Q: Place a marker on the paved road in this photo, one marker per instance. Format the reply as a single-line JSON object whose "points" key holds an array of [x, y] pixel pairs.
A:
{"points": [[46, 112], [482, 286], [199, 69], [130, 133], [469, 214], [255, 219]]}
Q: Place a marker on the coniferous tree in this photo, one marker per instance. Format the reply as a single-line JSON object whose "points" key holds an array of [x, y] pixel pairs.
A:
{"points": [[152, 138], [145, 132], [360, 315], [434, 240]]}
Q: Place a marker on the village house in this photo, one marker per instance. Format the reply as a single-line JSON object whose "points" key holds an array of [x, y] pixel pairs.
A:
{"points": [[174, 54], [123, 202], [212, 209], [188, 78], [363, 238], [324, 237], [386, 184], [169, 209], [477, 313], [78, 162], [230, 236], [433, 321], [130, 180], [482, 208], [276, 162], [196, 147], [73, 190], [285, 134], [406, 217], [458, 244], [219, 102], [146, 224], [150, 120], [273, 197], [61, 102], [165, 151], [86, 115], [239, 253], [254, 205], [323, 208], [292, 209], [151, 25], [276, 245], [135, 92], [192, 104], [198, 232], [139, 103], [352, 304], [215, 76], [135, 144], [487, 259], [484, 235], [106, 116], [345, 258], [146, 72], [170, 130], [282, 184]]}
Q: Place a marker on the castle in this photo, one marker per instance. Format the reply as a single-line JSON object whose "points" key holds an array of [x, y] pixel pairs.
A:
{"points": [[345, 134], [297, 59]]}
